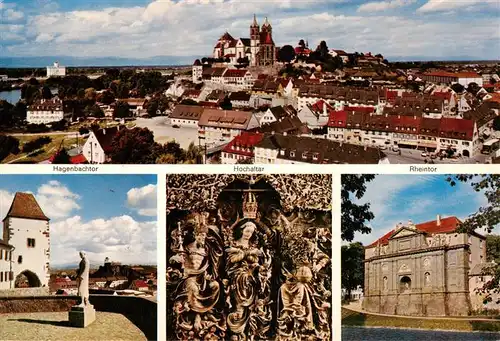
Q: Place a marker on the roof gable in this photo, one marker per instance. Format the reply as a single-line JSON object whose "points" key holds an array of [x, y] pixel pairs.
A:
{"points": [[25, 206]]}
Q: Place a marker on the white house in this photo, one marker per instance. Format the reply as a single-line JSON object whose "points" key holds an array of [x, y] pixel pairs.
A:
{"points": [[97, 147], [218, 127], [186, 115], [45, 111], [26, 230], [316, 115], [197, 71], [56, 70]]}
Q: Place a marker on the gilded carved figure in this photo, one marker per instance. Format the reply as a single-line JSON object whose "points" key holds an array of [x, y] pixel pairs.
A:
{"points": [[249, 258]]}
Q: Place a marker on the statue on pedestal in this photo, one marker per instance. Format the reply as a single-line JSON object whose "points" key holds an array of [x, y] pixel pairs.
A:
{"points": [[83, 314], [82, 279]]}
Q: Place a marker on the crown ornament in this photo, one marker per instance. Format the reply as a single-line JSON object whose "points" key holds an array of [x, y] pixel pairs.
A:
{"points": [[250, 206]]}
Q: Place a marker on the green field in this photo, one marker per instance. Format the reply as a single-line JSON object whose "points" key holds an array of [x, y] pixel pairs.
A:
{"points": [[45, 152], [353, 318]]}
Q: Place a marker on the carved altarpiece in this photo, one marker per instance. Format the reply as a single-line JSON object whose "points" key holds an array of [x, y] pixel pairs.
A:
{"points": [[249, 257]]}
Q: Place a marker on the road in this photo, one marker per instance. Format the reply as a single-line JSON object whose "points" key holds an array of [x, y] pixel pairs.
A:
{"points": [[412, 156], [164, 132]]}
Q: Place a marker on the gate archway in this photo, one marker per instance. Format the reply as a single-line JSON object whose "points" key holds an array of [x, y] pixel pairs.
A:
{"points": [[27, 279]]}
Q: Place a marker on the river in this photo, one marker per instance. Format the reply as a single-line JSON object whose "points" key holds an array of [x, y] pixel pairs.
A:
{"points": [[389, 334], [13, 96]]}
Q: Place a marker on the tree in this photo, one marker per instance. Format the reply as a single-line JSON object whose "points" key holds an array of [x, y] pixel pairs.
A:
{"points": [[493, 248], [286, 54], [302, 44], [83, 131], [486, 217], [122, 110], [353, 270], [458, 88], [354, 215], [62, 157], [322, 49], [496, 123], [46, 93], [107, 97], [93, 111], [135, 145], [473, 88], [226, 104], [8, 145], [192, 154], [166, 159], [152, 107], [189, 101], [90, 94]]}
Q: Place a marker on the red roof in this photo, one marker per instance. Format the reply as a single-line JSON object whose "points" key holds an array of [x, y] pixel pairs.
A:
{"points": [[140, 284], [447, 225], [337, 119], [318, 106], [209, 104], [443, 95], [268, 39], [78, 159], [235, 73], [452, 74], [391, 95], [25, 205], [245, 143], [360, 109], [457, 128]]}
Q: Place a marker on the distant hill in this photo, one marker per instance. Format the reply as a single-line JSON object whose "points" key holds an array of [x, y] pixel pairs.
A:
{"points": [[43, 61]]}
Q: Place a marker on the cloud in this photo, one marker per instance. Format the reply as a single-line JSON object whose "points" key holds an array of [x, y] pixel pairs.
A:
{"points": [[120, 238], [447, 5], [190, 28], [143, 200], [56, 200], [378, 6], [5, 201]]}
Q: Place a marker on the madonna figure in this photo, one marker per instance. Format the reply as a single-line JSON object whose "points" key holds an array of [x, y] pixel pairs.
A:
{"points": [[246, 263]]}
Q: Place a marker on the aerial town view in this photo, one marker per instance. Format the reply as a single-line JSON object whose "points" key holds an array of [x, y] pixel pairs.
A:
{"points": [[74, 257], [281, 82], [420, 257]]}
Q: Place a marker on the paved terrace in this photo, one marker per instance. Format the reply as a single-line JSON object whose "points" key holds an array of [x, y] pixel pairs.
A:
{"points": [[54, 326]]}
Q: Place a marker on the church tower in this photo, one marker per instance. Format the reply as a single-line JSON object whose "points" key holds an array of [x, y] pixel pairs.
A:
{"points": [[254, 41]]}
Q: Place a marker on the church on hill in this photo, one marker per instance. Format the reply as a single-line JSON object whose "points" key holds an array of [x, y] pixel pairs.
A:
{"points": [[259, 48]]}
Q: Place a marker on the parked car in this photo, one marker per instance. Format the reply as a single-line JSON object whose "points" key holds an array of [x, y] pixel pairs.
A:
{"points": [[424, 154], [395, 149], [175, 126]]}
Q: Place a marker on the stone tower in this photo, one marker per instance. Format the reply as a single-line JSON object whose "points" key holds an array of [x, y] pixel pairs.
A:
{"points": [[254, 41], [26, 228]]}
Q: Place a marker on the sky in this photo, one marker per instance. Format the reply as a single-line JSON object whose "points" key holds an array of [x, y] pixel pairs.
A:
{"points": [[111, 216], [419, 198], [435, 29]]}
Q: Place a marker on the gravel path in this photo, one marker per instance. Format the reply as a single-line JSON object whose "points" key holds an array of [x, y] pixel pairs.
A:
{"points": [[54, 326]]}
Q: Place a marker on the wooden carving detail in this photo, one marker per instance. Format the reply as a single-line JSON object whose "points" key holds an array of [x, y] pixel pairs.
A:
{"points": [[242, 267]]}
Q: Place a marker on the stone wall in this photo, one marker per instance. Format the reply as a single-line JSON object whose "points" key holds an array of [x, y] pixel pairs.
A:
{"points": [[140, 311], [9, 305], [24, 292]]}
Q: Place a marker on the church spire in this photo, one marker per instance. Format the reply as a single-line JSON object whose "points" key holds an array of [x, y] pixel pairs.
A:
{"points": [[267, 23], [254, 21]]}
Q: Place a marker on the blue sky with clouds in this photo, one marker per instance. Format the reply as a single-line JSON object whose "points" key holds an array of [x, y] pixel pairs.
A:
{"points": [[399, 198], [146, 28], [106, 215]]}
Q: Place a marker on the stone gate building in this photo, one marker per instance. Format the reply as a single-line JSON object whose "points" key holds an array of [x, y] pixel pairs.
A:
{"points": [[24, 245], [422, 269]]}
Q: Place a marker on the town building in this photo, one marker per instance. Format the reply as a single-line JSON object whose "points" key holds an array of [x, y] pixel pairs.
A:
{"points": [[218, 127], [186, 115], [45, 111], [25, 244], [422, 269], [445, 77], [240, 99], [56, 70], [291, 149], [316, 115], [259, 49], [241, 148], [98, 146], [459, 135]]}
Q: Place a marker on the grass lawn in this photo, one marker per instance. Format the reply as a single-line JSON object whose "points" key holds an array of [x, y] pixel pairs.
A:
{"points": [[352, 318], [46, 151]]}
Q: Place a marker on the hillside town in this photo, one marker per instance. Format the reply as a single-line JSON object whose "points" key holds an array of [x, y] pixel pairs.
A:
{"points": [[250, 101]]}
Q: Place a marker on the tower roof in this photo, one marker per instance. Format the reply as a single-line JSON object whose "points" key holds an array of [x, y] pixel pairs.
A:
{"points": [[254, 23], [266, 23], [25, 206], [226, 36]]}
